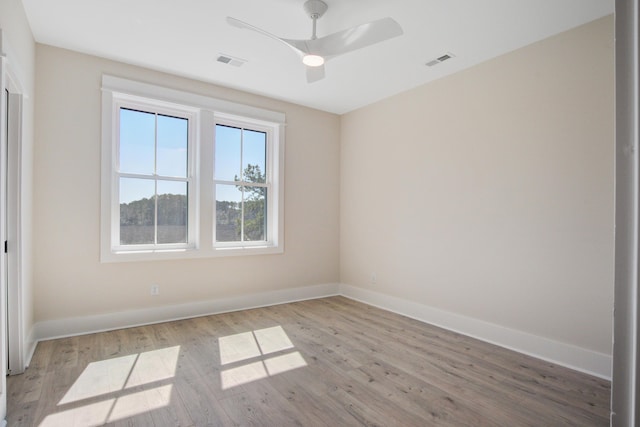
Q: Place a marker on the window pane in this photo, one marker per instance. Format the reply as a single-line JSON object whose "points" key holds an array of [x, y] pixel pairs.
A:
{"points": [[228, 213], [228, 153], [137, 141], [137, 211], [172, 212], [172, 146], [254, 153], [255, 213]]}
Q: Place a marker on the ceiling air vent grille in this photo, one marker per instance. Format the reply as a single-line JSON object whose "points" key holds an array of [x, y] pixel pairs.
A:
{"points": [[440, 59], [230, 60]]}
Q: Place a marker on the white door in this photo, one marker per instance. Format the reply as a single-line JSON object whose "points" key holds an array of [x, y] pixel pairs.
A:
{"points": [[3, 243], [11, 245], [3, 222]]}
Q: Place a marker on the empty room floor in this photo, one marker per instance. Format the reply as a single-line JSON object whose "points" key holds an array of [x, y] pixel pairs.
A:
{"points": [[330, 361]]}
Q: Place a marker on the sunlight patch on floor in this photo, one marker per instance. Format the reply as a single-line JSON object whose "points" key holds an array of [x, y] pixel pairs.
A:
{"points": [[110, 410], [234, 348], [243, 374], [113, 381], [99, 378], [286, 362], [272, 340], [112, 375], [152, 366], [140, 402], [256, 345]]}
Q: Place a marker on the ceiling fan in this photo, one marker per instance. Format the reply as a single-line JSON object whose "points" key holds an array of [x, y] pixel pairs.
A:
{"points": [[316, 51]]}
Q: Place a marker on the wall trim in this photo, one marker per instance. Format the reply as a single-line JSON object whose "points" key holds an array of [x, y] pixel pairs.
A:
{"points": [[61, 328], [133, 87], [30, 347], [570, 356]]}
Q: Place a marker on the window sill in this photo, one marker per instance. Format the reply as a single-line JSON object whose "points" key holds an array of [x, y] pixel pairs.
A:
{"points": [[187, 253]]}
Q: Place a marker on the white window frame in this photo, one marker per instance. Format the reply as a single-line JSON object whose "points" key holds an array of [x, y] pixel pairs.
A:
{"points": [[159, 108], [203, 113], [221, 119]]}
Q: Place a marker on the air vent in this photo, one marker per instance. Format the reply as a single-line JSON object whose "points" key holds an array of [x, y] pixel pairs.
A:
{"points": [[230, 60], [440, 59]]}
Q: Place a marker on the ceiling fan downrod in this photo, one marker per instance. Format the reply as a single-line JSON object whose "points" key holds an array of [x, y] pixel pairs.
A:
{"points": [[315, 9]]}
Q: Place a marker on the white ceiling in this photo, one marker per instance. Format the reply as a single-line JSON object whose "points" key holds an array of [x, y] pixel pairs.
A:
{"points": [[184, 37]]}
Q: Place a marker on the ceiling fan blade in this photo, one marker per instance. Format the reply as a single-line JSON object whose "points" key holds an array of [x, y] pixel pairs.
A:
{"points": [[355, 38], [299, 45], [315, 73], [243, 25]]}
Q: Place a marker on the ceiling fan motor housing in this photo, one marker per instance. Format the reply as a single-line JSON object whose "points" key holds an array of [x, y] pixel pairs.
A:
{"points": [[315, 8]]}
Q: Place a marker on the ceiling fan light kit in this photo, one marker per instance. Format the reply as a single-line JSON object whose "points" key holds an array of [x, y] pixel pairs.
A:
{"points": [[313, 60], [316, 51]]}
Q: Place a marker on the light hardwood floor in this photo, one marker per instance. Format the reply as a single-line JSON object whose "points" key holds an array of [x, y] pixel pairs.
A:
{"points": [[331, 361]]}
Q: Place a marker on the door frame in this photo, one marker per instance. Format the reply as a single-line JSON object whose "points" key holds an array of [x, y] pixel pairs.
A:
{"points": [[11, 286], [14, 287], [625, 385]]}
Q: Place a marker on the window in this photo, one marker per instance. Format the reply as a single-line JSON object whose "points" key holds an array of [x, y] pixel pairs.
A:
{"points": [[154, 177], [186, 176], [241, 184]]}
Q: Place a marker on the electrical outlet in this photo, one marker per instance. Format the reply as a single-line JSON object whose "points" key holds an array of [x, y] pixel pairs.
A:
{"points": [[374, 278], [155, 290]]}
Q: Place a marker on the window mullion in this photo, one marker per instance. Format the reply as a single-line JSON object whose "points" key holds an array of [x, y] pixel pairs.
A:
{"points": [[135, 175], [242, 214], [155, 215], [251, 184], [242, 185], [155, 175]]}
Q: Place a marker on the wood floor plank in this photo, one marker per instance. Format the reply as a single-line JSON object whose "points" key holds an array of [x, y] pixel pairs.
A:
{"points": [[528, 375], [203, 408], [330, 361]]}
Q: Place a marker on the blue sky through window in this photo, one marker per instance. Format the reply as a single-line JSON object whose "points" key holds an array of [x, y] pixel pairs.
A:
{"points": [[157, 144], [236, 149], [228, 153], [151, 144], [137, 141]]}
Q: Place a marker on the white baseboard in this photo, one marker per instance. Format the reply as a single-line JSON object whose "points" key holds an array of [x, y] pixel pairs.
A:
{"points": [[30, 346], [573, 357], [60, 328], [580, 359]]}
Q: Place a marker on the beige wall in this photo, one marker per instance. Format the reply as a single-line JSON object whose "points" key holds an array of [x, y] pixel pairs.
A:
{"points": [[70, 280], [489, 193]]}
